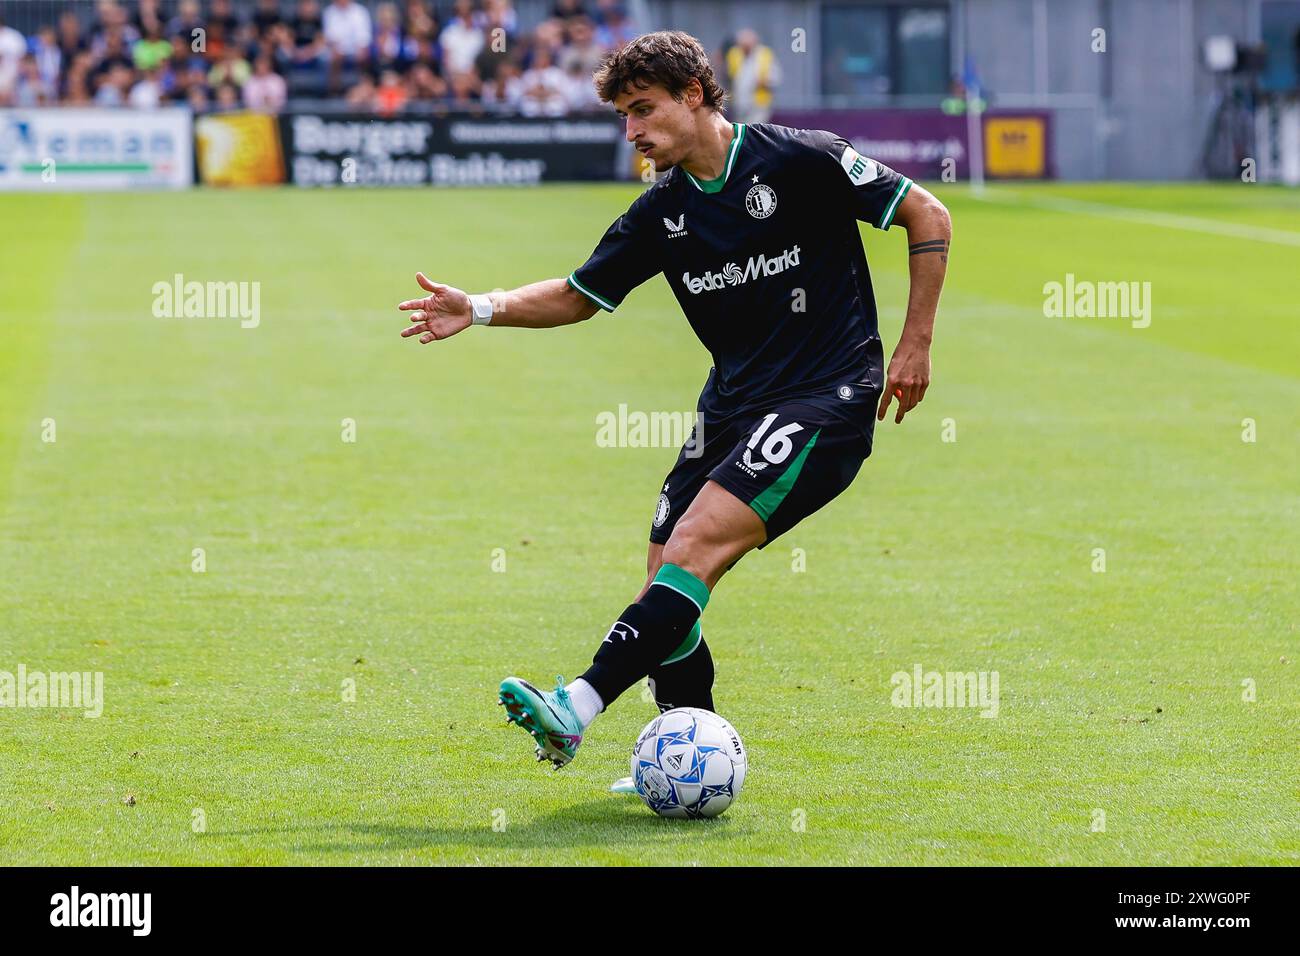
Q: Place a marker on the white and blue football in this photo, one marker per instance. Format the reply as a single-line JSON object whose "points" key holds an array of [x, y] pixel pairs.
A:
{"points": [[688, 762]]}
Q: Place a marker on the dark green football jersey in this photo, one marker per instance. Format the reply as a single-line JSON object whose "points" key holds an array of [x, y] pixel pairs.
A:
{"points": [[768, 265]]}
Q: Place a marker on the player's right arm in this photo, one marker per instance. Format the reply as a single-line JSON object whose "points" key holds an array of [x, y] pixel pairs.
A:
{"points": [[447, 310], [624, 258]]}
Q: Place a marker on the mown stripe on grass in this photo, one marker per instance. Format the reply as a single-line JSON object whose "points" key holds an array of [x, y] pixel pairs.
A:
{"points": [[36, 250]]}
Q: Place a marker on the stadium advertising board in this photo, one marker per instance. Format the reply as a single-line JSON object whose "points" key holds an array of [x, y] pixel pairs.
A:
{"points": [[927, 144], [239, 149], [96, 149], [355, 149], [1015, 147]]}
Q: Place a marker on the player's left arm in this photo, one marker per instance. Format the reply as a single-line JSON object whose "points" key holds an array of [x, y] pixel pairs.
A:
{"points": [[929, 234]]}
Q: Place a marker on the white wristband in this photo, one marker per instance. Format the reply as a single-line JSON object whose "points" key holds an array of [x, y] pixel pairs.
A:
{"points": [[481, 307]]}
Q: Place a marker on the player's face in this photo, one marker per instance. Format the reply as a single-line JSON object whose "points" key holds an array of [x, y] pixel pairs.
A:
{"points": [[660, 127]]}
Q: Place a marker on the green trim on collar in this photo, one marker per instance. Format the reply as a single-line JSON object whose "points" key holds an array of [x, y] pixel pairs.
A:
{"points": [[715, 185]]}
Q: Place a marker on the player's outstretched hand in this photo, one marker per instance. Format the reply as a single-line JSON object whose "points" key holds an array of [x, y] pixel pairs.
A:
{"points": [[908, 378], [442, 313]]}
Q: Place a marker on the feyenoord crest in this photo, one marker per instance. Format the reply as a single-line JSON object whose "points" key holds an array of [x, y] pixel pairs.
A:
{"points": [[760, 201], [661, 511]]}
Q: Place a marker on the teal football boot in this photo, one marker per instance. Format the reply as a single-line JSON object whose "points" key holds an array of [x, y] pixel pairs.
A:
{"points": [[548, 716]]}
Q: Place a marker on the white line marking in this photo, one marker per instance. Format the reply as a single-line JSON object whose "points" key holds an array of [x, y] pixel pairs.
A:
{"points": [[1147, 217]]}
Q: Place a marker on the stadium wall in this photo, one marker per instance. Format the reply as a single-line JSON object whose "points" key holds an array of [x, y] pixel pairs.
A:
{"points": [[1140, 110]]}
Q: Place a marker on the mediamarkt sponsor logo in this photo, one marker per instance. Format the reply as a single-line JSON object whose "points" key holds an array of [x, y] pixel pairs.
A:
{"points": [[732, 274]]}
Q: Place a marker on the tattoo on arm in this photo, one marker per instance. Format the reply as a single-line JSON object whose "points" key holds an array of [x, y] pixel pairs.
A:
{"points": [[934, 245]]}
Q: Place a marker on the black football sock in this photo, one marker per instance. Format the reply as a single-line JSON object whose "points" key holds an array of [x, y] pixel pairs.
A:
{"points": [[686, 678], [648, 633]]}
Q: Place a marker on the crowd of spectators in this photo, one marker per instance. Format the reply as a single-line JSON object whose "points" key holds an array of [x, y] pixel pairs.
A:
{"points": [[256, 54]]}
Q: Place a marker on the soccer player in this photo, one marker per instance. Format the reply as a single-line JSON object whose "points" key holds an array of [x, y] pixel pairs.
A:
{"points": [[755, 227]]}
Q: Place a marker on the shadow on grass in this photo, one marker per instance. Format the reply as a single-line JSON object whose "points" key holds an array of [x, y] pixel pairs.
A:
{"points": [[608, 823]]}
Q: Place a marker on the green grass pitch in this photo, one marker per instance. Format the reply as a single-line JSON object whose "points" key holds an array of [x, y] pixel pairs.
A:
{"points": [[226, 737]]}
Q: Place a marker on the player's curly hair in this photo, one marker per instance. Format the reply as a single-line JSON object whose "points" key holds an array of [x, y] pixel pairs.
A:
{"points": [[670, 58]]}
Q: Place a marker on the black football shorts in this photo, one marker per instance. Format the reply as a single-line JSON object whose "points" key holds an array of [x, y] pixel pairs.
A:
{"points": [[785, 463]]}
